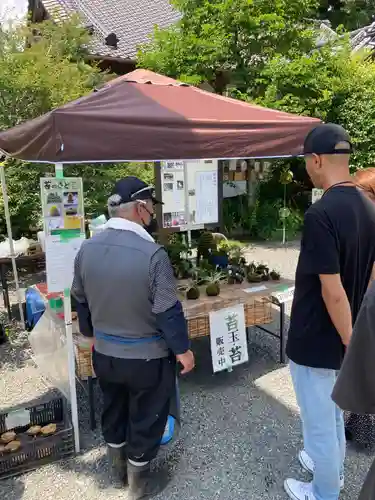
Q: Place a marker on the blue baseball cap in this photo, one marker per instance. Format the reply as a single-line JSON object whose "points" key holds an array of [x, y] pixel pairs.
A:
{"points": [[132, 189]]}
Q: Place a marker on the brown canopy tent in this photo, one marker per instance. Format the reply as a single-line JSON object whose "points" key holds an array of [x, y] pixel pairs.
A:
{"points": [[143, 116]]}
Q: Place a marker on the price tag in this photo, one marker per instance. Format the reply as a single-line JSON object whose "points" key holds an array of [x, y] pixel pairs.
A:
{"points": [[283, 296], [17, 418]]}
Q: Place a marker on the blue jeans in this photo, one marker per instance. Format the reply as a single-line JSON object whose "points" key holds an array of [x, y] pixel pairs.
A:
{"points": [[323, 427]]}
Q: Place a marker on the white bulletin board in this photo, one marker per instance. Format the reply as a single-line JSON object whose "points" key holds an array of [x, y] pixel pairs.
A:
{"points": [[190, 193]]}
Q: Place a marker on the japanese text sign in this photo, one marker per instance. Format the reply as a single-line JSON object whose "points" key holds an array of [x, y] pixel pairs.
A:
{"points": [[228, 338]]}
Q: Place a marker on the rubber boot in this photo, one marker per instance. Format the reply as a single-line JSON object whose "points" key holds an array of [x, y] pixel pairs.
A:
{"points": [[117, 465], [144, 483]]}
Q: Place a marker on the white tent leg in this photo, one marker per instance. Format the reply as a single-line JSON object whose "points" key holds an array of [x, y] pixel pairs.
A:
{"points": [[11, 246], [71, 366], [70, 346]]}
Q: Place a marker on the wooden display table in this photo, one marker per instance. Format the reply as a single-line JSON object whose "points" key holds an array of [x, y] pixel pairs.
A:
{"points": [[257, 306], [258, 299]]}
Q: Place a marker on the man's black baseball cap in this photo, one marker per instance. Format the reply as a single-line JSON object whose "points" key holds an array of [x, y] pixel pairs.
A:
{"points": [[132, 189], [325, 139]]}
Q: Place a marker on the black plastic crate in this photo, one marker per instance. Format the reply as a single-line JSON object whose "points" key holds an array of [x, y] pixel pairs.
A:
{"points": [[39, 450]]}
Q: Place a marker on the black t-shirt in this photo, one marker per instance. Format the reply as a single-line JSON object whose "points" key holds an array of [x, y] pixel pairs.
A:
{"points": [[338, 238]]}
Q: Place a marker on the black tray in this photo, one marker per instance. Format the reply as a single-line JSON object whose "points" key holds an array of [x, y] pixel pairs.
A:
{"points": [[39, 450]]}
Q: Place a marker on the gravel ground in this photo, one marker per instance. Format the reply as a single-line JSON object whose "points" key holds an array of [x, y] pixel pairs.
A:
{"points": [[240, 433]]}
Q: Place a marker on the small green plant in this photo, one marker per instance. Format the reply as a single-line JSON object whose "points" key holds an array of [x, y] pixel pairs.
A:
{"points": [[193, 292], [190, 289], [274, 275], [213, 287], [254, 277]]}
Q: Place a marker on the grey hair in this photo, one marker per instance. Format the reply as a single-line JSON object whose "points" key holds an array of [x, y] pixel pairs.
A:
{"points": [[115, 207]]}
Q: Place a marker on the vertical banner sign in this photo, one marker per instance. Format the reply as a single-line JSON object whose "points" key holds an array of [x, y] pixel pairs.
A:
{"points": [[228, 338], [64, 226]]}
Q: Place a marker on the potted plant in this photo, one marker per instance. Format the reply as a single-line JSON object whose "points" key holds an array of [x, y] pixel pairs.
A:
{"points": [[274, 275], [213, 286], [236, 274], [254, 277], [190, 289], [235, 251], [263, 270]]}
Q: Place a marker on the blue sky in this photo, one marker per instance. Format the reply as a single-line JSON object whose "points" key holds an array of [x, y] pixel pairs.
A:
{"points": [[12, 9]]}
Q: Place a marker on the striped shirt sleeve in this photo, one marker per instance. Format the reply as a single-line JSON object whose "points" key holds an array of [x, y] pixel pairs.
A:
{"points": [[77, 285], [163, 288]]}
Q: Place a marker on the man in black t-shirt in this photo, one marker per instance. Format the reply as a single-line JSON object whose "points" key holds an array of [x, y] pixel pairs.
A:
{"points": [[334, 269]]}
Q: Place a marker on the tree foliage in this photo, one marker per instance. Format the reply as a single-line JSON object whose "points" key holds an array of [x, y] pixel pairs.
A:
{"points": [[265, 51], [41, 68], [334, 86], [352, 14], [268, 52], [222, 41]]}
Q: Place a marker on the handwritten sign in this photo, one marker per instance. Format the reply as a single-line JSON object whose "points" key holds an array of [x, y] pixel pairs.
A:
{"points": [[64, 228], [228, 338]]}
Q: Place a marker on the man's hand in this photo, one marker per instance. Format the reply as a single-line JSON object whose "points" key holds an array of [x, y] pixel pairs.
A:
{"points": [[337, 304], [187, 360]]}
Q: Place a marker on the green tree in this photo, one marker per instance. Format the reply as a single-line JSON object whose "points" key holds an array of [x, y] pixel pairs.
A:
{"points": [[352, 14], [41, 68], [333, 85], [228, 41], [265, 51]]}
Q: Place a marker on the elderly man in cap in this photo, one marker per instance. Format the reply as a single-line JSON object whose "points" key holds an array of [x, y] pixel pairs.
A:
{"points": [[126, 291], [334, 269]]}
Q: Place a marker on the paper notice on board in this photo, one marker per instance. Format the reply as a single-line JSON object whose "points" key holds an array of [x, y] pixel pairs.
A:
{"points": [[60, 255], [206, 193]]}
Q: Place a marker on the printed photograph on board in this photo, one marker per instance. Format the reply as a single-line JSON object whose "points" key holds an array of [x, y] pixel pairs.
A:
{"points": [[174, 219], [54, 210], [54, 197], [70, 198]]}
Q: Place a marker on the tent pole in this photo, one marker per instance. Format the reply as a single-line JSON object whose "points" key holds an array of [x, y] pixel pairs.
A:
{"points": [[59, 172], [11, 246], [187, 206]]}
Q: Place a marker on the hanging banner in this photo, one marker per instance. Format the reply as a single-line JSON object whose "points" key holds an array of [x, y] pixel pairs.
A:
{"points": [[228, 338], [64, 227]]}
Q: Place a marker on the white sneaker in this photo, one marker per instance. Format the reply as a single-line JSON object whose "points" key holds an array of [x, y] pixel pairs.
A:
{"points": [[306, 461], [297, 490], [308, 465]]}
